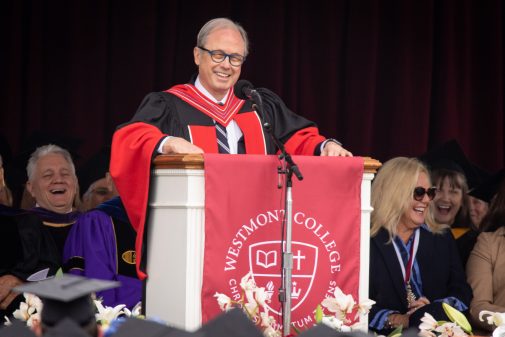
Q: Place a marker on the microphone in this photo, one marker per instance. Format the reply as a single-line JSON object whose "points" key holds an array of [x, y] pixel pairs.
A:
{"points": [[243, 89]]}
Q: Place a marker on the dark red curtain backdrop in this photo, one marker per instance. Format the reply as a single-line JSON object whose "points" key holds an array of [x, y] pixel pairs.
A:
{"points": [[387, 78]]}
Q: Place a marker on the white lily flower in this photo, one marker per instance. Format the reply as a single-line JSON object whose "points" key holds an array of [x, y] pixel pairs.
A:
{"points": [[426, 333], [223, 301], [33, 301], [106, 314], [136, 311], [499, 331], [428, 323], [266, 320], [261, 296], [450, 330], [333, 322], [340, 303], [247, 283], [252, 308], [7, 321], [249, 286], [22, 313], [493, 318], [365, 306]]}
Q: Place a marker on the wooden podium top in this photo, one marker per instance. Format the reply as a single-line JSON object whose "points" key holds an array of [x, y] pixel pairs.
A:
{"points": [[196, 162]]}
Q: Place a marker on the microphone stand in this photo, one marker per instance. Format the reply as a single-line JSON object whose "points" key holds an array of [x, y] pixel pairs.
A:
{"points": [[288, 167]]}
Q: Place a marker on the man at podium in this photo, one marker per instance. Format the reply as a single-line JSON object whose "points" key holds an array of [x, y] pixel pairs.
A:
{"points": [[206, 116]]}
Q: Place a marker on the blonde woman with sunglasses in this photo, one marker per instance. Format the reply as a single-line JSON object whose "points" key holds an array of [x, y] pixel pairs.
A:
{"points": [[414, 263]]}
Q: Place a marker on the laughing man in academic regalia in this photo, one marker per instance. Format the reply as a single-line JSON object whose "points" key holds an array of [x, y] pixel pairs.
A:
{"points": [[40, 232]]}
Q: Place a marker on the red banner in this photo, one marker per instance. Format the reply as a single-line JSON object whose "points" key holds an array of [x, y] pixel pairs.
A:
{"points": [[244, 210]]}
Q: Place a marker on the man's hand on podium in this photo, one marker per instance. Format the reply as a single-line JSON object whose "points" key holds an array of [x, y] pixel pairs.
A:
{"points": [[175, 145], [333, 149]]}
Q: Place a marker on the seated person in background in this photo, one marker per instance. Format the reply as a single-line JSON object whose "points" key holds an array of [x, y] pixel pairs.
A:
{"points": [[478, 206], [99, 191], [478, 209], [95, 181], [101, 245], [486, 265], [5, 192], [414, 262], [42, 230]]}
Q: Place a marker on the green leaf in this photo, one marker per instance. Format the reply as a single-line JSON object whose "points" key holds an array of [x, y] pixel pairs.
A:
{"points": [[396, 332], [319, 314], [457, 317], [59, 273]]}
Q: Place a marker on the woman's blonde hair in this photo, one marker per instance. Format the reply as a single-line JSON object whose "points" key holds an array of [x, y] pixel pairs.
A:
{"points": [[392, 192]]}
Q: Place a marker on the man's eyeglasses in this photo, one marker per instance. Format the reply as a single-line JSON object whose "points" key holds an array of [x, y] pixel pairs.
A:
{"points": [[219, 56], [419, 193]]}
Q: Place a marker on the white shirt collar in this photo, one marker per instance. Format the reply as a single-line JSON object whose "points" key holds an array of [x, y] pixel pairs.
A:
{"points": [[207, 94]]}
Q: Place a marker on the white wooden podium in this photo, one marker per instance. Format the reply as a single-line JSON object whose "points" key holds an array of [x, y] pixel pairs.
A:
{"points": [[175, 239]]}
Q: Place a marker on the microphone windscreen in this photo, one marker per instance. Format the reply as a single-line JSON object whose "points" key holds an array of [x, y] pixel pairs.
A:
{"points": [[239, 87]]}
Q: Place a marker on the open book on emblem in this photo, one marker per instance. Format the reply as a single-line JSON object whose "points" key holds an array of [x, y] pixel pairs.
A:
{"points": [[266, 259]]}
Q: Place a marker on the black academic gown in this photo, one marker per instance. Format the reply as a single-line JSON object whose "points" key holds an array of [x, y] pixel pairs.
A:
{"points": [[40, 237], [172, 116], [160, 114], [441, 272]]}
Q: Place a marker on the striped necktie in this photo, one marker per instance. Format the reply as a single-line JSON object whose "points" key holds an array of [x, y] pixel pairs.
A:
{"points": [[222, 137]]}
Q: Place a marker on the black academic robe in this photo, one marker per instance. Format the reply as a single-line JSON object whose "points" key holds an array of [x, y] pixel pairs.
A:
{"points": [[440, 267], [10, 242], [172, 116], [135, 144], [39, 236]]}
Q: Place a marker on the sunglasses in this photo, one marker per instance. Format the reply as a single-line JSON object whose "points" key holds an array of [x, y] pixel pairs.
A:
{"points": [[419, 193]]}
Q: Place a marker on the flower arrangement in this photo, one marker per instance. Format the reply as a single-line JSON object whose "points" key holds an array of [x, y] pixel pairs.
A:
{"points": [[253, 302], [458, 327], [341, 306], [29, 312], [335, 312], [494, 318]]}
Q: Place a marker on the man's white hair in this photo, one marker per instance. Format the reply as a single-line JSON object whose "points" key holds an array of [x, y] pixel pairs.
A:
{"points": [[44, 151]]}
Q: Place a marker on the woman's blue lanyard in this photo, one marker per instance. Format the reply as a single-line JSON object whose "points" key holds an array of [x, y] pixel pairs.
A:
{"points": [[407, 270]]}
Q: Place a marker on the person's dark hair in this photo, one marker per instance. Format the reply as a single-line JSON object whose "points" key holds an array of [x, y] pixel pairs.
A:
{"points": [[495, 217]]}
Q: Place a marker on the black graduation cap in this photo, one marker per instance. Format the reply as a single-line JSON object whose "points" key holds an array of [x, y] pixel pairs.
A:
{"points": [[17, 329], [320, 330], [488, 188], [67, 296], [66, 328], [233, 323], [450, 156], [94, 169], [134, 327], [480, 177]]}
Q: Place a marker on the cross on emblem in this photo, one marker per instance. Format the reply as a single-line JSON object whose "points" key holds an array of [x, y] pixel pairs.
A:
{"points": [[298, 259]]}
